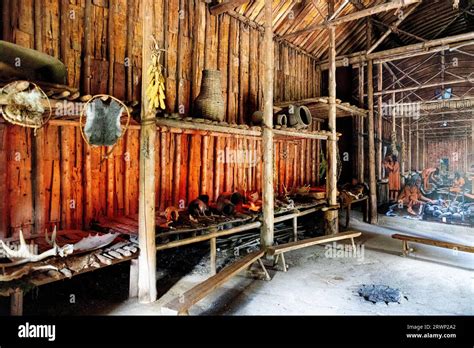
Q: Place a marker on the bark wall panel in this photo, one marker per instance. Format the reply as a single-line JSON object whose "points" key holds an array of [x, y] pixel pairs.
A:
{"points": [[455, 150]]}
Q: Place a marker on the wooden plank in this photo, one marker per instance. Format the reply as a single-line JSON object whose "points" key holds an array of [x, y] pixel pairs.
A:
{"points": [[433, 242], [283, 248], [182, 304]]}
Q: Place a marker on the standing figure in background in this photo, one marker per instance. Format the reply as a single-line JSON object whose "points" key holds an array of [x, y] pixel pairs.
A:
{"points": [[458, 183], [431, 179], [392, 167]]}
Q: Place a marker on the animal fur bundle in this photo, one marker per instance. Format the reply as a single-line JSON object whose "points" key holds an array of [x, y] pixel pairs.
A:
{"points": [[25, 107], [103, 126]]}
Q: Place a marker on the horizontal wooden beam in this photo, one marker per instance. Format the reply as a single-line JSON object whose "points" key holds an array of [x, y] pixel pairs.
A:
{"points": [[403, 52], [226, 6], [176, 123], [321, 135], [354, 16], [426, 85]]}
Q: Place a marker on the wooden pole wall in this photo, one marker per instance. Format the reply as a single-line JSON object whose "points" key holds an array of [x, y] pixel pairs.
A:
{"points": [[371, 133], [267, 141], [146, 211], [100, 189]]}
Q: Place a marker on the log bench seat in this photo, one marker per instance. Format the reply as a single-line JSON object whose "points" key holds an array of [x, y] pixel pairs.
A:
{"points": [[438, 243], [183, 303], [280, 250]]}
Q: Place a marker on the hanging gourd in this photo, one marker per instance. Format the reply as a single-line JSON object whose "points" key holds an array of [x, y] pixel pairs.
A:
{"points": [[25, 104], [103, 125], [155, 91]]}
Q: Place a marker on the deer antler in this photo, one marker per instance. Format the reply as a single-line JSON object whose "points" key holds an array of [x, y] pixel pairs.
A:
{"points": [[51, 241], [24, 255]]}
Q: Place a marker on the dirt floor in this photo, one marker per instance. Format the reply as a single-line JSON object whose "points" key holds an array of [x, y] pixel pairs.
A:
{"points": [[434, 281]]}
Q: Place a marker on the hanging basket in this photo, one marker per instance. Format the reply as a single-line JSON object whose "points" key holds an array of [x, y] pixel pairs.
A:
{"points": [[102, 126], [25, 105]]}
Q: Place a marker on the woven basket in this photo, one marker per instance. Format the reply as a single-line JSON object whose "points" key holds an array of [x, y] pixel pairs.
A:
{"points": [[210, 103]]}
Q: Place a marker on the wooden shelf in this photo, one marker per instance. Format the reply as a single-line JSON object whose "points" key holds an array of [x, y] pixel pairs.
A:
{"points": [[214, 127], [320, 107], [209, 126]]}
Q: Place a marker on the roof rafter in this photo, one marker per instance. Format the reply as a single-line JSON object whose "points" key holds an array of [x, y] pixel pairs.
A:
{"points": [[395, 4]]}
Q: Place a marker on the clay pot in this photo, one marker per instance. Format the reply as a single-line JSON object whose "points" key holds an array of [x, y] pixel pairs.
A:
{"points": [[299, 117]]}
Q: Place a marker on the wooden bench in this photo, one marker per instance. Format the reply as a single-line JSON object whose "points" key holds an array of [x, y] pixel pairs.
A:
{"points": [[41, 278], [280, 250], [181, 304], [438, 243]]}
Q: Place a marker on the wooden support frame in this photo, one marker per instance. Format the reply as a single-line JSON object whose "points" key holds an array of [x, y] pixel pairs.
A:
{"points": [[146, 206], [360, 129], [392, 27], [379, 122], [371, 133], [422, 48], [16, 303], [395, 4], [267, 231], [331, 216], [225, 6], [417, 152]]}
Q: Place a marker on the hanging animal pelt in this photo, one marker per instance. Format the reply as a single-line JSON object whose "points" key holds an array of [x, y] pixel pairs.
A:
{"points": [[103, 126], [25, 105]]}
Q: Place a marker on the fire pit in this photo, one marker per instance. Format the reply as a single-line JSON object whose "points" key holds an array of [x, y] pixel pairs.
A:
{"points": [[380, 293]]}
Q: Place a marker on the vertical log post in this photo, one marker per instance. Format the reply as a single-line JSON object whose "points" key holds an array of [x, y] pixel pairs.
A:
{"points": [[38, 181], [360, 128], [213, 255], [379, 120], [371, 132], [471, 161], [86, 89], [39, 139], [6, 17], [88, 36], [331, 216], [423, 151], [409, 147], [402, 152], [146, 203], [267, 141], [417, 152], [16, 303]]}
